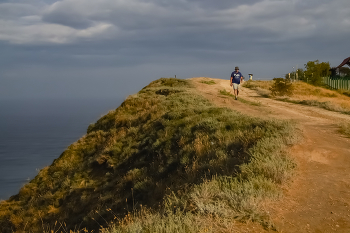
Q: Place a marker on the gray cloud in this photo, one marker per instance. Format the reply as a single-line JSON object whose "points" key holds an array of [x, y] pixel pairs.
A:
{"points": [[70, 21], [123, 38]]}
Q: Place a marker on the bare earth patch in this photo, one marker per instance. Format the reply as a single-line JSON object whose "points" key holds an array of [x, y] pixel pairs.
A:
{"points": [[318, 199]]}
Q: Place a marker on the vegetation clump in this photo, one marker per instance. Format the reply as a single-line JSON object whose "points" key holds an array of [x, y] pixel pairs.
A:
{"points": [[210, 82], [345, 128], [315, 71], [240, 99], [172, 160], [281, 87]]}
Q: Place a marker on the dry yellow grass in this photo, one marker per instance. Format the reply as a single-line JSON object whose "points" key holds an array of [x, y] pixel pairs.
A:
{"points": [[305, 91]]}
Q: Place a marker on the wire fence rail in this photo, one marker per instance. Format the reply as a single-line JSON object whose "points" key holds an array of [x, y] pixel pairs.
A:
{"points": [[337, 82]]}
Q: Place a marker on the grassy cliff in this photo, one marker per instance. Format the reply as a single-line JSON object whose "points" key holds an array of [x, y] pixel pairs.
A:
{"points": [[165, 159]]}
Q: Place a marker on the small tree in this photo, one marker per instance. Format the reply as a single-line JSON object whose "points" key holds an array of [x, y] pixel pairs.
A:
{"points": [[281, 87], [315, 71]]}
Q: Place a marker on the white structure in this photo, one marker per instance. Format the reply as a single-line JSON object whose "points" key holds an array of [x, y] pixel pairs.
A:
{"points": [[250, 76]]}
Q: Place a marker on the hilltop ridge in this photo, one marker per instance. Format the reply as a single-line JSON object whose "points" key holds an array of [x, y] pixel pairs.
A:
{"points": [[168, 154]]}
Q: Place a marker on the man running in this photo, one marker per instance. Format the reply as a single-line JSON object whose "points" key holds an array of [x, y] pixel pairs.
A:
{"points": [[236, 79]]}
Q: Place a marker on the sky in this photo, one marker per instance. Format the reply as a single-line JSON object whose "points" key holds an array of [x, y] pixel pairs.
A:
{"points": [[113, 48]]}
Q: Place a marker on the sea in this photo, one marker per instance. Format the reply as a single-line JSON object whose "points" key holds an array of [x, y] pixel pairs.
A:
{"points": [[35, 132]]}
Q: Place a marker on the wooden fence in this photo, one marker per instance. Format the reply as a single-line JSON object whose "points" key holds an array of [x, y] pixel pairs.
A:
{"points": [[337, 83]]}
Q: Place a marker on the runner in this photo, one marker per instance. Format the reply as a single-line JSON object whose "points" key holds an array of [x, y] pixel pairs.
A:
{"points": [[236, 79]]}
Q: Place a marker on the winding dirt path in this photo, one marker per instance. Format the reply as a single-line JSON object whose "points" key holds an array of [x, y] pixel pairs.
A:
{"points": [[318, 200]]}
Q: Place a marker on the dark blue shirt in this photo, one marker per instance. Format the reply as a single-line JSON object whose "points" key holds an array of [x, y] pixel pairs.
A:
{"points": [[236, 77]]}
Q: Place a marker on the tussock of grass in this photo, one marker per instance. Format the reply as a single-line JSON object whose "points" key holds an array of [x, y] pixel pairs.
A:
{"points": [[210, 82], [263, 92], [226, 93], [167, 150], [345, 128], [254, 103]]}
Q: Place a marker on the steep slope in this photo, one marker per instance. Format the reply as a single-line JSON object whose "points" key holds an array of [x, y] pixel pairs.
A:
{"points": [[162, 149]]}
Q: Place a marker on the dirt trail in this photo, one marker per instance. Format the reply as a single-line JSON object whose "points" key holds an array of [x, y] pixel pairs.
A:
{"points": [[318, 200]]}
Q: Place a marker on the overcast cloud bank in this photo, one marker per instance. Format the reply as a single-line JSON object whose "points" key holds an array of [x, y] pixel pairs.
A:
{"points": [[134, 39]]}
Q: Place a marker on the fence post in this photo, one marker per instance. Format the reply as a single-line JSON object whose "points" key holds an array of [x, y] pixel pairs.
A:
{"points": [[337, 84], [332, 83]]}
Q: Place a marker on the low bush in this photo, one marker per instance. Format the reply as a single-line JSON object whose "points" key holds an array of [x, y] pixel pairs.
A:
{"points": [[281, 87]]}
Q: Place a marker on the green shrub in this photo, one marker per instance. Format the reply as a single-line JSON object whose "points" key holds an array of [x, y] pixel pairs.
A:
{"points": [[281, 87]]}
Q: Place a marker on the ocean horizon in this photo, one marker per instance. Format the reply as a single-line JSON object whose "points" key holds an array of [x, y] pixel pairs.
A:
{"points": [[35, 132]]}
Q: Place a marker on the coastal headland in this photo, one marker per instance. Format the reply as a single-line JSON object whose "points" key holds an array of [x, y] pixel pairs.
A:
{"points": [[185, 156]]}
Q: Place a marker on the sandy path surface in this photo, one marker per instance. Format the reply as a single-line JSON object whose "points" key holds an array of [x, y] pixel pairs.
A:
{"points": [[318, 199]]}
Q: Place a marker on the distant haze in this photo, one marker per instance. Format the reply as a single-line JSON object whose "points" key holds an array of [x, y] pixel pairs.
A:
{"points": [[112, 48]]}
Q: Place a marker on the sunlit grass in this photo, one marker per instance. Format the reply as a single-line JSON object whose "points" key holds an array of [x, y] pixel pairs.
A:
{"points": [[166, 160], [307, 94], [227, 93], [254, 103], [210, 82]]}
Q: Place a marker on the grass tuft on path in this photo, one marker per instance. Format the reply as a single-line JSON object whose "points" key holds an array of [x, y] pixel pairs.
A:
{"points": [[226, 93], [209, 82], [345, 128]]}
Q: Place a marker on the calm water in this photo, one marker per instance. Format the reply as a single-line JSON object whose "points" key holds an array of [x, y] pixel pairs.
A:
{"points": [[34, 133]]}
